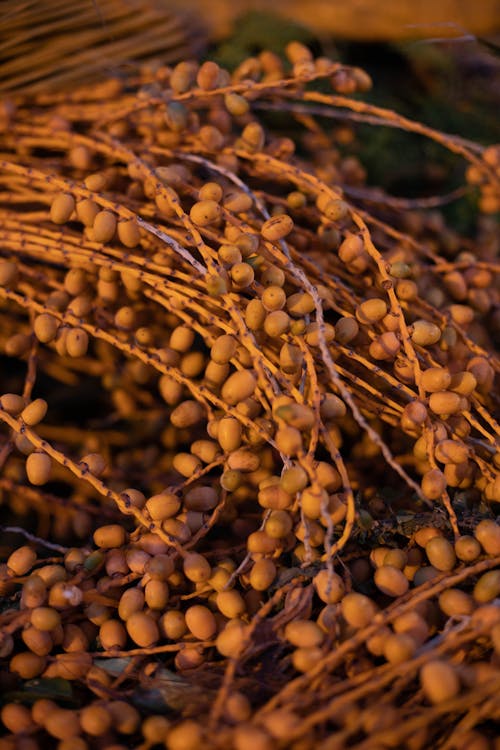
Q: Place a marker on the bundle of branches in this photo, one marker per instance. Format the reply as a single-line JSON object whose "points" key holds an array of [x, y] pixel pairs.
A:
{"points": [[53, 44], [249, 428]]}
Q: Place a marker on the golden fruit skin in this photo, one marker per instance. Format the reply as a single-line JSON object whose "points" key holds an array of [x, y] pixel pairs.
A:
{"points": [[77, 342], [181, 339], [278, 524], [186, 464], [276, 323], [187, 735], [231, 603], [38, 468], [262, 574], [62, 724], [12, 403], [229, 434], [104, 226], [306, 658], [441, 553], [425, 333], [173, 624], [238, 387], [451, 451], [255, 314], [45, 618], [399, 648], [201, 622], [142, 629], [304, 634], [463, 383], [289, 441], [358, 610], [385, 347], [291, 358], [16, 718], [21, 560], [439, 681], [277, 227], [371, 311], [230, 641], [329, 588], [487, 587], [467, 548], [27, 665], [8, 273], [163, 506], [293, 479], [45, 327], [273, 298], [112, 535], [187, 414], [487, 532], [433, 484], [126, 718], [34, 412], [300, 304], [95, 720], [112, 634], [377, 555], [312, 501], [396, 557], [62, 207], [351, 248], [87, 210], [128, 233], [223, 349], [425, 533], [455, 602], [154, 728], [444, 402], [196, 567], [38, 641], [132, 600], [205, 212], [435, 379], [413, 624], [391, 580]]}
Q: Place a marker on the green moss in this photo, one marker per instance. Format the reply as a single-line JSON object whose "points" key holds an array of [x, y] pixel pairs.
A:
{"points": [[255, 31]]}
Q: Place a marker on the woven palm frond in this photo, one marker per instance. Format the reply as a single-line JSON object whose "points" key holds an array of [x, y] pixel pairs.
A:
{"points": [[53, 43]]}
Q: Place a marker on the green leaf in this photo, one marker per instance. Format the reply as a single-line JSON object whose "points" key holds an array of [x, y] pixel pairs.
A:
{"points": [[52, 688], [255, 31]]}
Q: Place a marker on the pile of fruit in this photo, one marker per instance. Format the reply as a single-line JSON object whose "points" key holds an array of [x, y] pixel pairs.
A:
{"points": [[249, 458]]}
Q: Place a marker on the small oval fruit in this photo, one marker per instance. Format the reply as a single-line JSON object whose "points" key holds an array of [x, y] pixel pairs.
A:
{"points": [[487, 533], [104, 226], [440, 553], [277, 227], [142, 629], [304, 634], [439, 681], [358, 610], [201, 622], [238, 387], [38, 468], [62, 207], [391, 581]]}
